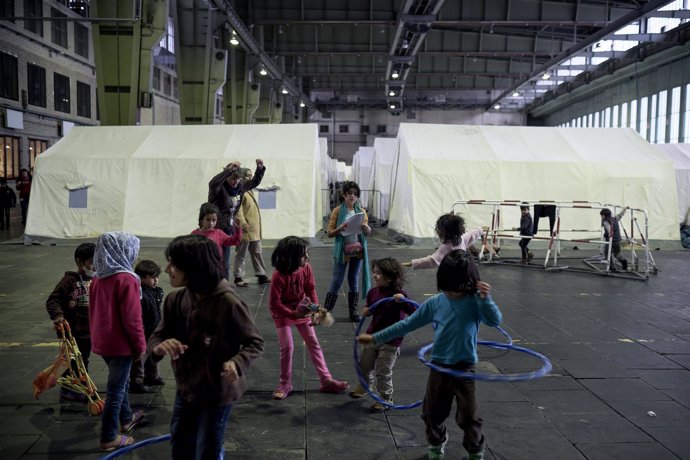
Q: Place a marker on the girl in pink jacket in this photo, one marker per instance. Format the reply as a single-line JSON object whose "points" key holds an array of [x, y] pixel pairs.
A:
{"points": [[293, 284], [117, 330]]}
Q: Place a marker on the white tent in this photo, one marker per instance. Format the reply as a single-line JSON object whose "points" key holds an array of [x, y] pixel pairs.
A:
{"points": [[439, 164], [362, 164], [151, 180], [382, 175], [680, 155], [325, 175]]}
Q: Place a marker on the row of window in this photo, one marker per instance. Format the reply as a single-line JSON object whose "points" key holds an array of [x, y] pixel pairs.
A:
{"points": [[169, 83], [9, 156], [59, 25], [660, 118], [344, 129], [36, 90]]}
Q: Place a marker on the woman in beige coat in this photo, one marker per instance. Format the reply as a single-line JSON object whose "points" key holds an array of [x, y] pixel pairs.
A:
{"points": [[249, 217]]}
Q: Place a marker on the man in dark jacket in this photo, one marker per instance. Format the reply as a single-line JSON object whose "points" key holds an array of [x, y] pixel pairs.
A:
{"points": [[7, 200], [225, 190]]}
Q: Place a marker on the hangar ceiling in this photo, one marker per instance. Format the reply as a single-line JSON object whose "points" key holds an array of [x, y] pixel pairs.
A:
{"points": [[509, 55]]}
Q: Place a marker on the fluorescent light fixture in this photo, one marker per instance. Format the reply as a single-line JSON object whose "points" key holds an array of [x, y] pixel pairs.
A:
{"points": [[391, 93], [262, 71], [392, 106], [497, 106], [302, 104], [516, 93], [233, 39], [395, 74], [546, 76], [284, 90]]}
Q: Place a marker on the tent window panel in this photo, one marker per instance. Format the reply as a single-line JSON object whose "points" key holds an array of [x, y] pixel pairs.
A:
{"points": [[267, 199], [78, 198]]}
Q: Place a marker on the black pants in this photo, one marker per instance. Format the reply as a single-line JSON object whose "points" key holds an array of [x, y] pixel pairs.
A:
{"points": [[5, 217], [544, 210], [441, 390], [524, 242]]}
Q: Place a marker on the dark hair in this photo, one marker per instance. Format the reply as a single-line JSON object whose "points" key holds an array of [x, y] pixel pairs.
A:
{"points": [[199, 258], [238, 173], [206, 209], [391, 269], [347, 186], [146, 268], [524, 206], [450, 228], [287, 255], [3, 181], [606, 212], [458, 273], [84, 252]]}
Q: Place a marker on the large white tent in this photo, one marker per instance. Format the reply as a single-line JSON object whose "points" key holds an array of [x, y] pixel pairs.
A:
{"points": [[362, 164], [680, 155], [382, 176], [151, 180], [439, 164]]}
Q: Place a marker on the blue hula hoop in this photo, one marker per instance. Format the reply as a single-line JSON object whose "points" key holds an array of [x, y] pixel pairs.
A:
{"points": [[545, 369], [144, 443], [358, 369]]}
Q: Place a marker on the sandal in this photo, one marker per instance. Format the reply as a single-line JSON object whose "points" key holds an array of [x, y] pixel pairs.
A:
{"points": [[240, 282], [120, 441], [137, 417]]}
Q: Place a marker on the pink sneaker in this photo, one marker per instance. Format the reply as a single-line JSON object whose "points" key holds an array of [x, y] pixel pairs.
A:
{"points": [[333, 386], [282, 392]]}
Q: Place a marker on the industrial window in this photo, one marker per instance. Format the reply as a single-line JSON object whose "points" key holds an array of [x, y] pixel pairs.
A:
{"points": [[81, 40], [661, 120], [323, 129], [166, 84], [174, 88], [156, 78], [9, 77], [380, 129], [686, 127], [7, 9], [344, 129], [36, 147], [36, 85], [652, 119], [83, 100], [9, 157], [58, 28], [633, 114], [675, 115], [624, 115], [643, 117], [61, 93], [34, 9], [364, 129]]}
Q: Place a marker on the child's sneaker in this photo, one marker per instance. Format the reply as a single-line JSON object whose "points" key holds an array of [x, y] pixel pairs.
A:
{"points": [[358, 392], [333, 386], [477, 456], [379, 407], [282, 391], [438, 452]]}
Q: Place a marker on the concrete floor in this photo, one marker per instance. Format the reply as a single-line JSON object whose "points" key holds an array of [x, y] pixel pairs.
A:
{"points": [[620, 350]]}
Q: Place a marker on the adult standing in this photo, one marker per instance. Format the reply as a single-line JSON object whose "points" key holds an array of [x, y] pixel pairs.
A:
{"points": [[23, 186], [225, 190], [249, 217]]}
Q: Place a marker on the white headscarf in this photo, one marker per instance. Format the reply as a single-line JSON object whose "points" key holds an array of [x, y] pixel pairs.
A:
{"points": [[115, 253]]}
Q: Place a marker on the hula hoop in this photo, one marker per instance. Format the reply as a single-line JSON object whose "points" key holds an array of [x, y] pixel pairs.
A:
{"points": [[545, 369], [358, 369], [144, 443]]}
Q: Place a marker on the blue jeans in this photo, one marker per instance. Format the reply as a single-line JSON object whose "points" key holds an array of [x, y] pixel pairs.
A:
{"points": [[226, 261], [352, 268], [197, 430], [24, 204], [117, 411]]}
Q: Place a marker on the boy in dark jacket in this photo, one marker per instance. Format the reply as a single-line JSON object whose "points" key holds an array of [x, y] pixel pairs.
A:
{"points": [[145, 370], [7, 200], [69, 302], [525, 230]]}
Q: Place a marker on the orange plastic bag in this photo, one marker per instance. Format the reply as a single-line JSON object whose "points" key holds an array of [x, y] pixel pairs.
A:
{"points": [[47, 378]]}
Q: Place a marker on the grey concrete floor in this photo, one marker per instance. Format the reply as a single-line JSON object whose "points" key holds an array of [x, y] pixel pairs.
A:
{"points": [[620, 350]]}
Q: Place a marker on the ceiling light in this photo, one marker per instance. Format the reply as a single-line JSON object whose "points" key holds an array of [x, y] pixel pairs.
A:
{"points": [[395, 74], [262, 71], [546, 76], [284, 90], [302, 104], [391, 93], [233, 39], [516, 93], [497, 106], [405, 44]]}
